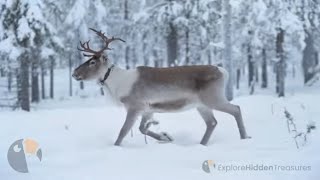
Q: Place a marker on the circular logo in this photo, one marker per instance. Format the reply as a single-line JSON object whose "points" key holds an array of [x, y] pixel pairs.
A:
{"points": [[17, 154], [206, 165]]}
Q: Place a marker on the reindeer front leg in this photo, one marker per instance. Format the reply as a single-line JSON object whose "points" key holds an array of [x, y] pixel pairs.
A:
{"points": [[146, 121], [131, 118]]}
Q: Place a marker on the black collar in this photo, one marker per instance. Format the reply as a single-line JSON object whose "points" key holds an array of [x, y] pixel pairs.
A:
{"points": [[107, 74]]}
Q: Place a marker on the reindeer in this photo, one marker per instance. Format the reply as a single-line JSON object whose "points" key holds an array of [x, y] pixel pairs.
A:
{"points": [[146, 90]]}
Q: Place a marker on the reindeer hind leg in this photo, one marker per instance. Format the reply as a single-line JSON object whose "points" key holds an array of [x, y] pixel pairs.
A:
{"points": [[235, 111], [211, 123]]}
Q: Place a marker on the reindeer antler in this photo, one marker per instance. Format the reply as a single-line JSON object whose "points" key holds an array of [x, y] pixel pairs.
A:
{"points": [[86, 47]]}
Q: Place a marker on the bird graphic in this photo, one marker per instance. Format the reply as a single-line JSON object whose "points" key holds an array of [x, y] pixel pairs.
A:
{"points": [[17, 154], [206, 165]]}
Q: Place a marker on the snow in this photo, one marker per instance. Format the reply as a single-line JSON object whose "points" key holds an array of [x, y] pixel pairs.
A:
{"points": [[235, 4], [46, 52], [77, 13], [76, 137], [76, 134], [34, 12], [100, 10], [218, 44], [7, 47], [24, 30]]}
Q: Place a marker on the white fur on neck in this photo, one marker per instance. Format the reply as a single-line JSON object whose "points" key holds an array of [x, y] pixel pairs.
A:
{"points": [[120, 82]]}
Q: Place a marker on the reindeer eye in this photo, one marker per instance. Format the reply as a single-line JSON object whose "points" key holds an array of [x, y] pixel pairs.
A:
{"points": [[92, 62]]}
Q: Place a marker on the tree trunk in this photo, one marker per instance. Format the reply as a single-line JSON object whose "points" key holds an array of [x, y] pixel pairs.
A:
{"points": [[309, 59], [238, 78], [144, 49], [172, 45], [127, 57], [10, 80], [156, 64], [35, 93], [23, 86], [2, 72], [70, 75], [256, 73], [81, 85], [250, 67], [264, 73], [293, 70], [52, 63], [127, 50], [126, 10], [187, 48], [209, 57], [155, 58], [43, 89], [280, 65], [228, 48]]}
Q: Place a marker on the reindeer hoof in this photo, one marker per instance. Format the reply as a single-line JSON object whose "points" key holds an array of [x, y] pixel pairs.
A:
{"points": [[165, 137], [152, 122]]}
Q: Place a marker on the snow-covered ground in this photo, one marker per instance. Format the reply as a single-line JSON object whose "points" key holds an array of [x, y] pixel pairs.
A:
{"points": [[76, 136], [77, 142]]}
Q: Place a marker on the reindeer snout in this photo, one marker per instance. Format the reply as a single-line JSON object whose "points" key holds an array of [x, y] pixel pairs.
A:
{"points": [[76, 76]]}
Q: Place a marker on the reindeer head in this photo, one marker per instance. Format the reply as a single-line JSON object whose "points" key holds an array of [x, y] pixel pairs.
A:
{"points": [[96, 65]]}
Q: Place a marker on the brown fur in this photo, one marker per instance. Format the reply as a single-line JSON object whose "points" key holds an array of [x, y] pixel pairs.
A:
{"points": [[174, 82], [170, 105], [191, 77]]}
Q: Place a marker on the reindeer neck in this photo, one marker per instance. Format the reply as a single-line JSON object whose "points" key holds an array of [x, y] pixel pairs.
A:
{"points": [[106, 73], [118, 73], [119, 81]]}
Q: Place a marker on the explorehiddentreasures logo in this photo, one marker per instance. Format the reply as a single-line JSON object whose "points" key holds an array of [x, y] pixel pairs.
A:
{"points": [[17, 154], [210, 165], [207, 165]]}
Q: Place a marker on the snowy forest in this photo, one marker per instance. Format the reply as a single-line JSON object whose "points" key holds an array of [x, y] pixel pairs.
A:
{"points": [[250, 38], [270, 49]]}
